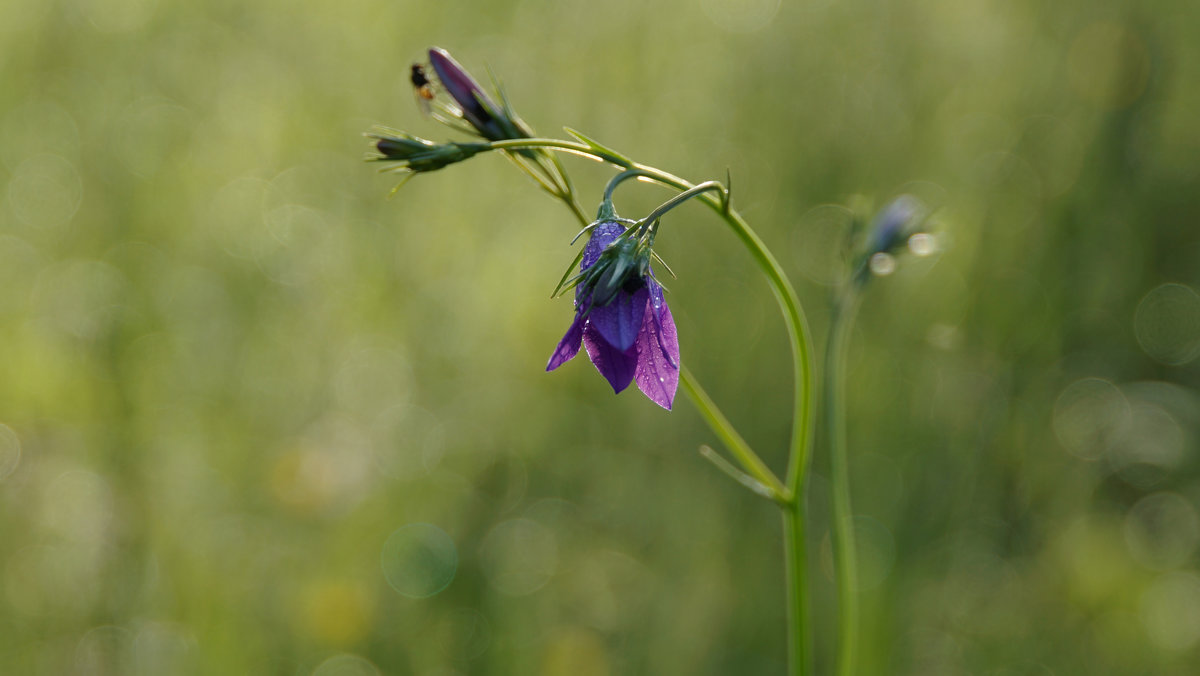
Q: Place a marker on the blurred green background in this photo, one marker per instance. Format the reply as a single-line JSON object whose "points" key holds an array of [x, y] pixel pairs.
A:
{"points": [[259, 419]]}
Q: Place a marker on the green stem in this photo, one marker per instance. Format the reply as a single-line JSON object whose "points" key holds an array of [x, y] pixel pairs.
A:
{"points": [[800, 447], [845, 556], [618, 180], [694, 191], [795, 559]]}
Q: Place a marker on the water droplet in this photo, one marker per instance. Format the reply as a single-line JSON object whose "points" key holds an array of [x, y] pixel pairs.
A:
{"points": [[882, 264], [419, 560], [923, 244]]}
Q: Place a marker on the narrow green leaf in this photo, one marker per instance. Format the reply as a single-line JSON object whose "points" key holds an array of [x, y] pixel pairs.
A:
{"points": [[595, 145]]}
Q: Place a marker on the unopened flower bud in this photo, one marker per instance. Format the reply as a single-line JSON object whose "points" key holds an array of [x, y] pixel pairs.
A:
{"points": [[418, 154], [491, 121]]}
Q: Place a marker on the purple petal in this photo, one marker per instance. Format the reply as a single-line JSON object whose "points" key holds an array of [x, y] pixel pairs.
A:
{"points": [[615, 365], [657, 351], [659, 305], [620, 321], [568, 347], [602, 235]]}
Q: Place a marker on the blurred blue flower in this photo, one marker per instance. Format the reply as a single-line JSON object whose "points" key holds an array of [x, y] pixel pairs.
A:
{"points": [[894, 224], [622, 318]]}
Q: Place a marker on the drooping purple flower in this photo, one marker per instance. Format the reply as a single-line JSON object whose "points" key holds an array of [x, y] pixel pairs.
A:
{"points": [[622, 319]]}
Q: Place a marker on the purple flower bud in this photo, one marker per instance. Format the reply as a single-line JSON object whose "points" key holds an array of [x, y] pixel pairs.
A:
{"points": [[631, 336], [477, 108]]}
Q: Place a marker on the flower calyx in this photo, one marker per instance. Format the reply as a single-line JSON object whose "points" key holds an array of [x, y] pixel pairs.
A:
{"points": [[621, 315], [417, 154]]}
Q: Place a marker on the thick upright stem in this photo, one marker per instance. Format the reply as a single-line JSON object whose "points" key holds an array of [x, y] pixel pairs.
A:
{"points": [[799, 639], [845, 555]]}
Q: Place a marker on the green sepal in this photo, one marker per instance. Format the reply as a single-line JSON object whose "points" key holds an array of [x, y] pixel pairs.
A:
{"points": [[559, 289], [606, 212]]}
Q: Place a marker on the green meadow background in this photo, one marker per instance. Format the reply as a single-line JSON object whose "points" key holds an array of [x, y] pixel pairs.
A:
{"points": [[257, 418]]}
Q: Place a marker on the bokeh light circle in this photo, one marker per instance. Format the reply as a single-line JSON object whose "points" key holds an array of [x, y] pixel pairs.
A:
{"points": [[1162, 530], [1089, 416], [1151, 447], [1170, 611], [1167, 324], [519, 556], [45, 191], [419, 560]]}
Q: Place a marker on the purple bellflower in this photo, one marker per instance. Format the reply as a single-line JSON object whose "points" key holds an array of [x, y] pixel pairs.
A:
{"points": [[621, 318]]}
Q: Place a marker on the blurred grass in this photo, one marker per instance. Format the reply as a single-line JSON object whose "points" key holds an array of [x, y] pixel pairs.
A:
{"points": [[232, 369]]}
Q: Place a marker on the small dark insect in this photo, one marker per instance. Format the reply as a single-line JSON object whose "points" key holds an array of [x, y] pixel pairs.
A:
{"points": [[422, 87]]}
